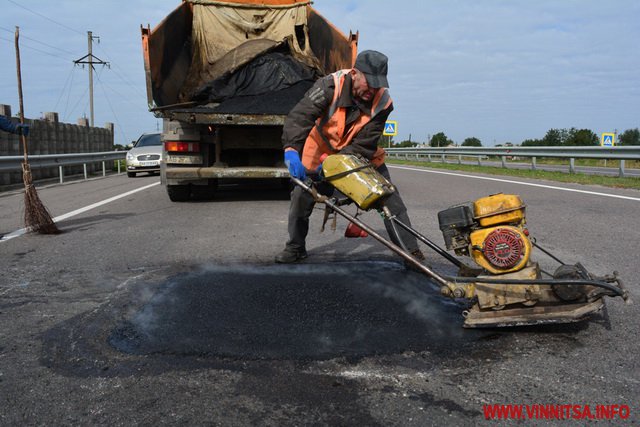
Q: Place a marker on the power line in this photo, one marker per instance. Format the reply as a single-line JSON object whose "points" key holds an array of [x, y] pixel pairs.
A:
{"points": [[131, 102], [122, 76], [22, 36], [80, 99], [91, 60], [76, 105], [66, 105], [112, 110], [63, 88], [36, 49], [123, 97], [45, 17]]}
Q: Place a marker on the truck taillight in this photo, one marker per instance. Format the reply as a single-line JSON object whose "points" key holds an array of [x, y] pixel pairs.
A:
{"points": [[191, 147]]}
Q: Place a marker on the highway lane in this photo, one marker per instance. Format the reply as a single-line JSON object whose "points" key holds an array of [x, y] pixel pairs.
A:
{"points": [[145, 310], [66, 198]]}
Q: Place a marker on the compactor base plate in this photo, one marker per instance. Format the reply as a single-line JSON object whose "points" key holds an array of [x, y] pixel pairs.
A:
{"points": [[537, 315]]}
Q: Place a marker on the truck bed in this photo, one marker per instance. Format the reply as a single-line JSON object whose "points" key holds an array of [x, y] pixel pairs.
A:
{"points": [[267, 109], [177, 62]]}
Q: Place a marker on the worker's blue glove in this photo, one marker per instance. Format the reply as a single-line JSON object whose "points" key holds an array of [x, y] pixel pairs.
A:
{"points": [[296, 168], [22, 130]]}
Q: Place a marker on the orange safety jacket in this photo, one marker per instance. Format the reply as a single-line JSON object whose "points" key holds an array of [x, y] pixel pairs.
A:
{"points": [[329, 136]]}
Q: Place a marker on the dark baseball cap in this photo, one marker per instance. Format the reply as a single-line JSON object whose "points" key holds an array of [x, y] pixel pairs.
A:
{"points": [[373, 65]]}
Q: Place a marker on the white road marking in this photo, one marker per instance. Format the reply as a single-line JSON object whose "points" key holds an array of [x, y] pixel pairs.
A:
{"points": [[379, 375], [22, 231], [552, 187]]}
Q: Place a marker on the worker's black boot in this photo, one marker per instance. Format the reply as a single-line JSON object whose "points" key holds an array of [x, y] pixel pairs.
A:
{"points": [[288, 255]]}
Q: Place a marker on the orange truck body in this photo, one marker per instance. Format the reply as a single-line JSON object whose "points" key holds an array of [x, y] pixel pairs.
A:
{"points": [[203, 39]]}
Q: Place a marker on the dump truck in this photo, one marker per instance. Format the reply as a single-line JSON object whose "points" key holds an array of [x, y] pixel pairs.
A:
{"points": [[223, 75]]}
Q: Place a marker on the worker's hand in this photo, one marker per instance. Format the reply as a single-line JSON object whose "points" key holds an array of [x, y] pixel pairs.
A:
{"points": [[296, 168], [22, 130]]}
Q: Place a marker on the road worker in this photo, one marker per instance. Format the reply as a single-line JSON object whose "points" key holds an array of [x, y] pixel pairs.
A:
{"points": [[344, 112]]}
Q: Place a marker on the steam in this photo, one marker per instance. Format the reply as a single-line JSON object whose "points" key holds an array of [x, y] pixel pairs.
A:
{"points": [[328, 329]]}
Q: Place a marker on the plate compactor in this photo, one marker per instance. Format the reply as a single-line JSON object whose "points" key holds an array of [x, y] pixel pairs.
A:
{"points": [[505, 287]]}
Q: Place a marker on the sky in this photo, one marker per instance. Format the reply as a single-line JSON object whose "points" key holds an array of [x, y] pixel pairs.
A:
{"points": [[497, 70]]}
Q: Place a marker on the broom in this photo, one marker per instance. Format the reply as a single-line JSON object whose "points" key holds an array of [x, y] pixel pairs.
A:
{"points": [[36, 215]]}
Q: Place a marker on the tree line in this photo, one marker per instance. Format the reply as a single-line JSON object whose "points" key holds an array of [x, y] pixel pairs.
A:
{"points": [[553, 137]]}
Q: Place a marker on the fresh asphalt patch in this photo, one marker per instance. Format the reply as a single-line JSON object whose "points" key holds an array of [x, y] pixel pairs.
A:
{"points": [[226, 316], [313, 311]]}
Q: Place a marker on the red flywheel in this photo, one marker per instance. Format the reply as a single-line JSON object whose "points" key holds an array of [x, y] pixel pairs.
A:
{"points": [[503, 248]]}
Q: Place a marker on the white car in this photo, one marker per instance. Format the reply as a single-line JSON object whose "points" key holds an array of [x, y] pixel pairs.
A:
{"points": [[145, 155]]}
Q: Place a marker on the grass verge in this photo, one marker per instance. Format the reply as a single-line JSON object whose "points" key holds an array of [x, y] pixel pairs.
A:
{"points": [[577, 178]]}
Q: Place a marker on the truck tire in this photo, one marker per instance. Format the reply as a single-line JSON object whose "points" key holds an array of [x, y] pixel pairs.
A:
{"points": [[205, 192], [286, 184], [178, 193], [131, 174]]}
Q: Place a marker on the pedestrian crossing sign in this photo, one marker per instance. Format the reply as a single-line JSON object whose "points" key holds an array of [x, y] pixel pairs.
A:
{"points": [[608, 139], [390, 128]]}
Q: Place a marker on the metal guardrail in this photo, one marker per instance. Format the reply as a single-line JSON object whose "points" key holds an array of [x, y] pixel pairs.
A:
{"points": [[14, 163], [591, 152], [571, 153]]}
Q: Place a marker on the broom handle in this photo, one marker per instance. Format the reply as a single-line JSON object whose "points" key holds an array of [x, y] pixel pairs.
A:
{"points": [[23, 138]]}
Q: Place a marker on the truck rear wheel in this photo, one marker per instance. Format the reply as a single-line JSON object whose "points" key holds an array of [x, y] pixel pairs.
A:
{"points": [[178, 193], [205, 192]]}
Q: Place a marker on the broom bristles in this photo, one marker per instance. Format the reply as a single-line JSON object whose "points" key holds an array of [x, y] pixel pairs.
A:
{"points": [[36, 215]]}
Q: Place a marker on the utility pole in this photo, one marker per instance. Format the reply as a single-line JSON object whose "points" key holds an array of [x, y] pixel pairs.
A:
{"points": [[91, 59]]}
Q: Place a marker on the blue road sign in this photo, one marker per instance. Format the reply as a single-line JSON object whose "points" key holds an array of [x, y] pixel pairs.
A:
{"points": [[608, 139], [390, 128]]}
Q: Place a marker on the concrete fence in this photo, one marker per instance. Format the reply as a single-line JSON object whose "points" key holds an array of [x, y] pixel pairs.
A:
{"points": [[49, 136]]}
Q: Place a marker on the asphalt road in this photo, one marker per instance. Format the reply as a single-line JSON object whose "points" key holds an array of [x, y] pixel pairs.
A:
{"points": [[145, 311]]}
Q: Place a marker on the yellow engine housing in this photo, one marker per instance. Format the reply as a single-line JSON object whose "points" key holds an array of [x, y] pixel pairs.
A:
{"points": [[499, 209], [356, 179], [498, 243]]}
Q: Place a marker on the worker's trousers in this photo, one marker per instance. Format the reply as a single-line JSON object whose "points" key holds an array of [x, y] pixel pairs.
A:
{"points": [[302, 204]]}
